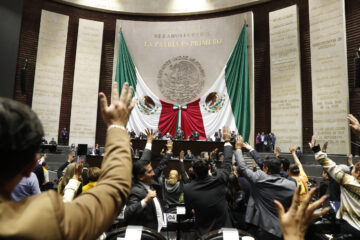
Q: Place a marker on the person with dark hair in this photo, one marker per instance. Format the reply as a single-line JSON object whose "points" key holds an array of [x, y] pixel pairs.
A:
{"points": [[144, 206], [44, 141], [189, 155], [195, 135], [39, 172], [218, 136], [28, 186], [298, 152], [158, 134], [179, 134], [64, 134], [206, 194], [263, 142], [297, 172], [236, 198], [52, 141], [61, 170], [284, 162], [45, 216], [266, 186]]}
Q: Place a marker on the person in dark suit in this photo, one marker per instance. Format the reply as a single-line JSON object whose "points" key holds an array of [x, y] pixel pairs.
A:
{"points": [[64, 135], [206, 194], [218, 136], [195, 135], [144, 205], [179, 134]]}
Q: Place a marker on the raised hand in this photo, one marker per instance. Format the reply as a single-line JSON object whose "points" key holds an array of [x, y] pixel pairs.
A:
{"points": [[294, 222], [120, 108], [226, 134], [78, 170], [277, 151], [239, 143], [312, 143], [292, 148], [350, 160], [181, 156], [354, 124], [324, 148], [248, 146], [150, 136], [169, 146]]}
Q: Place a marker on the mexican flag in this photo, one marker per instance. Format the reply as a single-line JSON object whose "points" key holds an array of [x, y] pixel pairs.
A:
{"points": [[227, 102]]}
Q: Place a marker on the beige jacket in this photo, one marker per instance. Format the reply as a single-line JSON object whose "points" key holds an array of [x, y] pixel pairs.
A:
{"points": [[350, 191], [45, 216]]}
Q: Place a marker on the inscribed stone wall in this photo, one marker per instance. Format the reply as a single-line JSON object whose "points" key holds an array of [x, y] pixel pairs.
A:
{"points": [[286, 110], [330, 91], [49, 71], [86, 82]]}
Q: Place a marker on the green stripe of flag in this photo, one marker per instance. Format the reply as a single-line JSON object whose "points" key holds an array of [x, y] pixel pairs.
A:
{"points": [[125, 68], [237, 84]]}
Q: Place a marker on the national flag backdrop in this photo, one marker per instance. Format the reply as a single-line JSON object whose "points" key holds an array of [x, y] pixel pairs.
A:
{"points": [[227, 102]]}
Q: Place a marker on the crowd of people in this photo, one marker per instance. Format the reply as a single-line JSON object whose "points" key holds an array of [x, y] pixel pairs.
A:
{"points": [[179, 135], [273, 200]]}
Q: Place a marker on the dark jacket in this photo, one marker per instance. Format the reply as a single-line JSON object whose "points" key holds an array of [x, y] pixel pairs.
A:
{"points": [[261, 210], [135, 214], [207, 197], [260, 162]]}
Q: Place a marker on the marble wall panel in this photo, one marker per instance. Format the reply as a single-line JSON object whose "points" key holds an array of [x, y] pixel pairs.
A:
{"points": [[49, 71], [286, 109], [86, 82], [330, 89]]}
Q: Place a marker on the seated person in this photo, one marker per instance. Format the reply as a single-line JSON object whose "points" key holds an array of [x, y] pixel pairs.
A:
{"points": [[195, 135], [179, 134], [44, 141], [189, 155], [167, 136], [52, 142], [45, 216], [158, 134]]}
